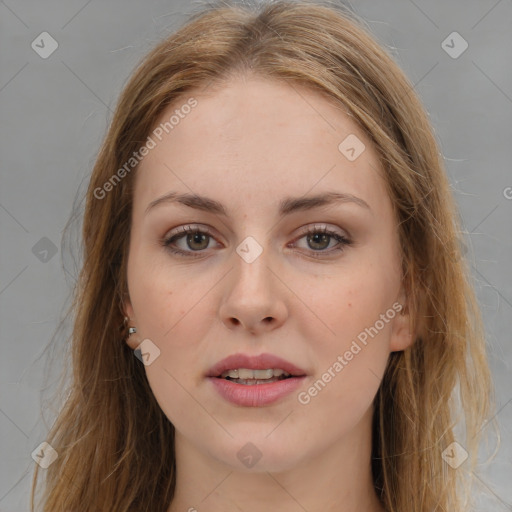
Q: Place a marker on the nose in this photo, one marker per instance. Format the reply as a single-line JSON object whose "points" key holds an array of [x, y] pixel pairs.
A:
{"points": [[254, 299]]}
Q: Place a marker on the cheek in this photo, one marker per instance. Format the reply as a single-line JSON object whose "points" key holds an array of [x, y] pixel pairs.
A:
{"points": [[344, 307], [173, 310], [164, 296], [168, 308], [174, 397], [351, 329]]}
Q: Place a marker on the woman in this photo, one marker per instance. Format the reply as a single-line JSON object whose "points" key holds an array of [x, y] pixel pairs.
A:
{"points": [[273, 311]]}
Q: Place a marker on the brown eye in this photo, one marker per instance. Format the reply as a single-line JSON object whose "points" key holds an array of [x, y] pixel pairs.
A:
{"points": [[318, 241], [195, 239]]}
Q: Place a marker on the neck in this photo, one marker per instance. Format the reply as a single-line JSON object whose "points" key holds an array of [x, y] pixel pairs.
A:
{"points": [[337, 479]]}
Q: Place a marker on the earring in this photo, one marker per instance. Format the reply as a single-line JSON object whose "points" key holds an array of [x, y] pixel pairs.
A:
{"points": [[131, 330]]}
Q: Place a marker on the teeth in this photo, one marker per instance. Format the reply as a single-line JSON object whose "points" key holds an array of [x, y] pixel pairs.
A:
{"points": [[244, 373]]}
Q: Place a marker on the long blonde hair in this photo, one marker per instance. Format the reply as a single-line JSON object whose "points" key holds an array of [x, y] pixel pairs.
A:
{"points": [[115, 445]]}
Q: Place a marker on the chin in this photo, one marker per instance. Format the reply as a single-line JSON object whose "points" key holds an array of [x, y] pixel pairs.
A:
{"points": [[257, 454]]}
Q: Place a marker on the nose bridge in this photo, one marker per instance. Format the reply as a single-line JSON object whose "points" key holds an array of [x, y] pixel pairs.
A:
{"points": [[252, 297], [251, 273]]}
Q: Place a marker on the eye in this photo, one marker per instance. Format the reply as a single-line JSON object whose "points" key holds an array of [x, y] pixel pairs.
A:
{"points": [[319, 238], [197, 239]]}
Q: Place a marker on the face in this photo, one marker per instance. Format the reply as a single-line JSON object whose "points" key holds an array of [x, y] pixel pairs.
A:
{"points": [[317, 284]]}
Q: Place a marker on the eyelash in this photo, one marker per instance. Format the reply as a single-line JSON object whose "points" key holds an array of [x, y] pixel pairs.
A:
{"points": [[186, 230]]}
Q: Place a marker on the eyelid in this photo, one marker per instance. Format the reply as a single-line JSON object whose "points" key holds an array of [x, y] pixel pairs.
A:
{"points": [[325, 228], [206, 229], [189, 227]]}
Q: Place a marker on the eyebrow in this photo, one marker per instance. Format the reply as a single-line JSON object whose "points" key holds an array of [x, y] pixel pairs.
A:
{"points": [[286, 206]]}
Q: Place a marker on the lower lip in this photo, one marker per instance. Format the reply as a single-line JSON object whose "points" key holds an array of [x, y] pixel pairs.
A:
{"points": [[255, 395]]}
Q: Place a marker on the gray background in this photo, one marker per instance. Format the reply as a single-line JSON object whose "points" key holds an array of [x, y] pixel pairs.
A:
{"points": [[55, 112]]}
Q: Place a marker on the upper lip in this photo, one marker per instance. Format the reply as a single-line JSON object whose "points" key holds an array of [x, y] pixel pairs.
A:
{"points": [[260, 362]]}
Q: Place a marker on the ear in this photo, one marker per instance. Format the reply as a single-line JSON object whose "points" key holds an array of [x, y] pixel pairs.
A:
{"points": [[401, 335], [131, 341]]}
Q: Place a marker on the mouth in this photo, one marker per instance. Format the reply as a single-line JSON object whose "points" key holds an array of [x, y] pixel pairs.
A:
{"points": [[255, 381], [247, 368], [250, 377]]}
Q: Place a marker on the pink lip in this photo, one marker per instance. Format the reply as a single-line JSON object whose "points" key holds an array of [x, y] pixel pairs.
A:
{"points": [[256, 395]]}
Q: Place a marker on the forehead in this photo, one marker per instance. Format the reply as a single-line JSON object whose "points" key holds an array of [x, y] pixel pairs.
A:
{"points": [[253, 139]]}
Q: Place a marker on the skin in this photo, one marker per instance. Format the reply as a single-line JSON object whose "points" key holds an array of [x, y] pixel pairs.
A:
{"points": [[249, 144]]}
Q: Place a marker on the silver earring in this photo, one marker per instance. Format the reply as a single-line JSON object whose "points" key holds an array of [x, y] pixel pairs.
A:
{"points": [[131, 330]]}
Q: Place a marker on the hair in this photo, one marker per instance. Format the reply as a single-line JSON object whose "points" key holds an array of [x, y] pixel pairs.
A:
{"points": [[115, 445]]}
